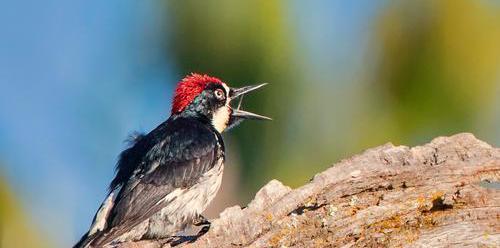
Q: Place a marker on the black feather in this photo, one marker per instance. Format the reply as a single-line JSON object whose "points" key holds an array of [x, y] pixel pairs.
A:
{"points": [[138, 145], [174, 155]]}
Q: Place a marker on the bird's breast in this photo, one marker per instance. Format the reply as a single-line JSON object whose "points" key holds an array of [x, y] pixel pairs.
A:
{"points": [[187, 203]]}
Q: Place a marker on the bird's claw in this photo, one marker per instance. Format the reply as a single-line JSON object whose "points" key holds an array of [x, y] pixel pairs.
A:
{"points": [[177, 240], [200, 233], [201, 221]]}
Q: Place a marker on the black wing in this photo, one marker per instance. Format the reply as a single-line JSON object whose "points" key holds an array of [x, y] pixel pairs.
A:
{"points": [[169, 164], [131, 157]]}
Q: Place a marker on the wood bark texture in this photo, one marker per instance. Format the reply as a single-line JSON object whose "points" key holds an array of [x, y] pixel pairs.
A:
{"points": [[442, 194]]}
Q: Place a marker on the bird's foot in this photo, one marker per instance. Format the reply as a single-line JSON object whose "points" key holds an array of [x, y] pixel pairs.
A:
{"points": [[200, 233], [177, 240], [201, 221]]}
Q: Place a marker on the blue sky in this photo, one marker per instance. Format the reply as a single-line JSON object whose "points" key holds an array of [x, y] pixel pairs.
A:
{"points": [[76, 78]]}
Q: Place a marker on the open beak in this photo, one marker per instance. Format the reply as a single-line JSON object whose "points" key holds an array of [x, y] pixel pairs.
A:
{"points": [[238, 115], [236, 92], [240, 92]]}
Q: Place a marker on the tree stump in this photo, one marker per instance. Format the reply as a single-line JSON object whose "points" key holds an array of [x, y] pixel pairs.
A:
{"points": [[442, 194]]}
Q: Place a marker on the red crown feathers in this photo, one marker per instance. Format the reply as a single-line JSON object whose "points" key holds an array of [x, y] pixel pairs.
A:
{"points": [[188, 88]]}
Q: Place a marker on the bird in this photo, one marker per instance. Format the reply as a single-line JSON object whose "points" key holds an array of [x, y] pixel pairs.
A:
{"points": [[166, 178]]}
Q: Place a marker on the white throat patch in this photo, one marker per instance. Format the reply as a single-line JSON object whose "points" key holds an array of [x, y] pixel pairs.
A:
{"points": [[220, 118]]}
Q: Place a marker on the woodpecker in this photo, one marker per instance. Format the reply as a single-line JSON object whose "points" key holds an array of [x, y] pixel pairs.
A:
{"points": [[165, 179]]}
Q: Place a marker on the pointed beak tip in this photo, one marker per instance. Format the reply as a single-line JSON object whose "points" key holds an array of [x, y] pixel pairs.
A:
{"points": [[236, 92], [249, 115], [258, 86], [239, 92]]}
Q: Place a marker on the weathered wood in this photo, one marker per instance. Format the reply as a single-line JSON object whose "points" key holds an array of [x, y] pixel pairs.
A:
{"points": [[442, 194]]}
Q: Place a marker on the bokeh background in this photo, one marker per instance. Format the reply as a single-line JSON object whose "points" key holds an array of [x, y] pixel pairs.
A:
{"points": [[77, 77]]}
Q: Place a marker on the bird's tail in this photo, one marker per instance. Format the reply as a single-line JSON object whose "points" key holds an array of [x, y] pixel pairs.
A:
{"points": [[84, 241]]}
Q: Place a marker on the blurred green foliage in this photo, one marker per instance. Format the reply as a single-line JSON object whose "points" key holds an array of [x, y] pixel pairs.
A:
{"points": [[432, 68], [438, 68], [242, 42]]}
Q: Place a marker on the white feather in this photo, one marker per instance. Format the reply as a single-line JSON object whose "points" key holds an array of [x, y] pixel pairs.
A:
{"points": [[100, 221]]}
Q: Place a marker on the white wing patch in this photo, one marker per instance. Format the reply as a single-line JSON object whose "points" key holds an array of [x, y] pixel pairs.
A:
{"points": [[102, 215]]}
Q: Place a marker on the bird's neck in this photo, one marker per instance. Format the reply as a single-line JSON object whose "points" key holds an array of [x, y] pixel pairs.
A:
{"points": [[193, 115], [218, 123]]}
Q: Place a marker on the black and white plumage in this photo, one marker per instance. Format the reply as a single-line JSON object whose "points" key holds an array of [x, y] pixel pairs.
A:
{"points": [[167, 178]]}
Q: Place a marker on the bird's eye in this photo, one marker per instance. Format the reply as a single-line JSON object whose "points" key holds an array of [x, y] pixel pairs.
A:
{"points": [[219, 94]]}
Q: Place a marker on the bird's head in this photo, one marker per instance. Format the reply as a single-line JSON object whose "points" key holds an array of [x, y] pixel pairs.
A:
{"points": [[203, 95]]}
